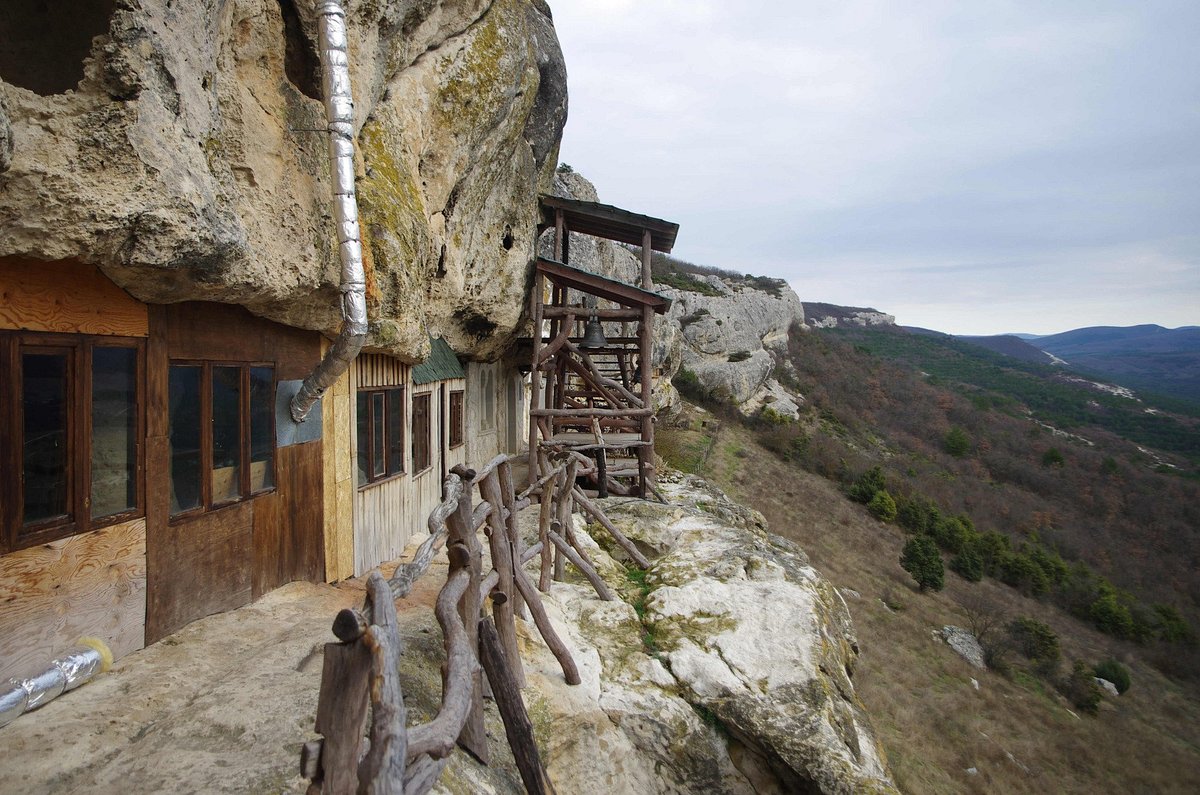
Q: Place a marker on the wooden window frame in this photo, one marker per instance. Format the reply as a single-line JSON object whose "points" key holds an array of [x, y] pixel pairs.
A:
{"points": [[391, 395], [206, 443], [13, 534], [428, 398], [457, 420]]}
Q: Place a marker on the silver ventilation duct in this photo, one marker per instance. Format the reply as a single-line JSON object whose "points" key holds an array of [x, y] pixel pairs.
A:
{"points": [[339, 113]]}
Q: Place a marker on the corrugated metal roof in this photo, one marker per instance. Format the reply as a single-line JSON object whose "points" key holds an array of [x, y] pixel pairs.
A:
{"points": [[441, 364]]}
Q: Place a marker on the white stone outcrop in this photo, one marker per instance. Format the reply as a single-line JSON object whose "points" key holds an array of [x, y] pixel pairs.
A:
{"points": [[190, 163], [728, 671], [966, 644]]}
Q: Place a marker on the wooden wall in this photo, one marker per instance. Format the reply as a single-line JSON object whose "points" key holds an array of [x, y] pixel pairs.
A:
{"points": [[339, 487], [391, 514], [92, 584], [226, 557], [66, 296], [484, 443]]}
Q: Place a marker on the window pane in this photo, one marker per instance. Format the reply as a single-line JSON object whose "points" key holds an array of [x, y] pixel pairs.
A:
{"points": [[44, 447], [395, 430], [226, 433], [262, 428], [378, 461], [456, 418], [363, 410], [420, 432], [184, 420], [114, 430]]}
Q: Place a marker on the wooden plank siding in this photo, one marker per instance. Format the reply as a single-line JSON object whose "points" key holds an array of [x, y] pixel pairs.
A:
{"points": [[390, 514]]}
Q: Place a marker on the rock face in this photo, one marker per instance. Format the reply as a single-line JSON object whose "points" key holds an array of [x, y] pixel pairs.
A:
{"points": [[966, 644], [731, 341], [832, 316], [727, 671], [189, 161]]}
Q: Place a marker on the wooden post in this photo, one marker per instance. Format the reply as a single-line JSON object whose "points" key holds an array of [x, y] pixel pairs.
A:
{"points": [[517, 726], [535, 376], [545, 508], [625, 544], [581, 561], [382, 769], [512, 531], [646, 453], [503, 563], [557, 647], [462, 535], [563, 505], [647, 243]]}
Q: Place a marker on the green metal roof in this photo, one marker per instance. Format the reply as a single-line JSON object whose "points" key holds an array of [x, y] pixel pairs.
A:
{"points": [[441, 364]]}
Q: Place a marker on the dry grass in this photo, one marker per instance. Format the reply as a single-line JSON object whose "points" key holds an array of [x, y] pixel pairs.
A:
{"points": [[1019, 734]]}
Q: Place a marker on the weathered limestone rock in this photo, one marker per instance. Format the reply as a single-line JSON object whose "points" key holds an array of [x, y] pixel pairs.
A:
{"points": [[775, 680], [1107, 686], [966, 644], [729, 341], [190, 162]]}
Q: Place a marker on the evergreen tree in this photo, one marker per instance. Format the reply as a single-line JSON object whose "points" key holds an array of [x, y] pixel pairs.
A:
{"points": [[921, 559]]}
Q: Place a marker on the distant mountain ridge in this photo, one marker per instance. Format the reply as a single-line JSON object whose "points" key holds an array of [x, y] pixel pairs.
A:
{"points": [[1014, 346], [1147, 357], [819, 315]]}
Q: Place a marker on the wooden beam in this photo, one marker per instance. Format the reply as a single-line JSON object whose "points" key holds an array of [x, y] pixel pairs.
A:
{"points": [[603, 314], [647, 248]]}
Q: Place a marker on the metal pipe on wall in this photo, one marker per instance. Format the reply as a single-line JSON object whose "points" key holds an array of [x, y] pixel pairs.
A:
{"points": [[339, 114]]}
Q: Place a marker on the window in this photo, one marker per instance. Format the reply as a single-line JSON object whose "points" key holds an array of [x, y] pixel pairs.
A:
{"points": [[420, 432], [69, 448], [456, 418], [221, 426], [380, 434]]}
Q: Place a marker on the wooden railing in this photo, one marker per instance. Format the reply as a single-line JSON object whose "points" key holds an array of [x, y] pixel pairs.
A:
{"points": [[360, 671]]}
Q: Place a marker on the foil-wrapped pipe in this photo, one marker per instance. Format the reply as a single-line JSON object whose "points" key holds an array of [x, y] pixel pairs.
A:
{"points": [[13, 698], [79, 665], [45, 687], [339, 115], [65, 672]]}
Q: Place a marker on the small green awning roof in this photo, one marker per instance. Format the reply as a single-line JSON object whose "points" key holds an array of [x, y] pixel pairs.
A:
{"points": [[441, 365]]}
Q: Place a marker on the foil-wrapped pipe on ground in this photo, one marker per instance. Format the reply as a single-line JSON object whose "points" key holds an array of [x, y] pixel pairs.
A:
{"points": [[65, 672]]}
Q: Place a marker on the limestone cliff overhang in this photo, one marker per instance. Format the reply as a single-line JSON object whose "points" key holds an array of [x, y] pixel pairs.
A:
{"points": [[606, 221], [609, 289]]}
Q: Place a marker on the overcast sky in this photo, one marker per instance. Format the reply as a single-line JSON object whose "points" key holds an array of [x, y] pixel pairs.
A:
{"points": [[973, 166]]}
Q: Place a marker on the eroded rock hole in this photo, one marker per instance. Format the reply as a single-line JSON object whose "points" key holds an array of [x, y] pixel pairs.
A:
{"points": [[301, 64], [43, 43], [507, 240]]}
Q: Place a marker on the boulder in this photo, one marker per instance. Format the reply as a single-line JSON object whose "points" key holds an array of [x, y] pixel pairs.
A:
{"points": [[966, 644], [1107, 686], [190, 162]]}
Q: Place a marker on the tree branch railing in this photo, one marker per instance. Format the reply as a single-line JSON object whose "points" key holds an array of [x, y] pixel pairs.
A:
{"points": [[360, 681]]}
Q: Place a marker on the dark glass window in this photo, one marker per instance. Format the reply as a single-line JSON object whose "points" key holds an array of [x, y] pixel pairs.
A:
{"points": [[70, 458], [380, 434], [184, 429], [262, 428], [114, 431], [45, 434], [222, 426], [456, 418], [420, 432]]}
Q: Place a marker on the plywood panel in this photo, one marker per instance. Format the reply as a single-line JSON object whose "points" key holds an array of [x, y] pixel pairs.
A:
{"points": [[93, 584], [337, 455], [66, 296], [301, 546], [198, 567]]}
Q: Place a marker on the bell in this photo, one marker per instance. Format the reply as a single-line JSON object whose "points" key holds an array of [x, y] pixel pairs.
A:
{"points": [[593, 335]]}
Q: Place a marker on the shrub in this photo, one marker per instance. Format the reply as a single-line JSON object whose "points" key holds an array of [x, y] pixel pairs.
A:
{"points": [[921, 559], [967, 564], [957, 443], [916, 514], [1114, 672], [992, 547], [1171, 626], [951, 533], [773, 417], [1110, 615], [1053, 458], [1036, 641], [882, 506], [1082, 689], [867, 485]]}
